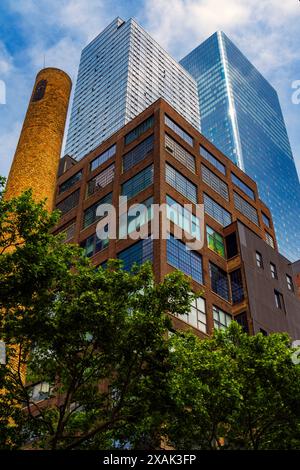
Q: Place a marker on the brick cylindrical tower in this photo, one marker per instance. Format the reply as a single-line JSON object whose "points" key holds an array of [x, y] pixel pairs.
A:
{"points": [[35, 163]]}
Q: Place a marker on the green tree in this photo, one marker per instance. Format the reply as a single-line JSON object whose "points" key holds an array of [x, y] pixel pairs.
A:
{"points": [[97, 336], [234, 391]]}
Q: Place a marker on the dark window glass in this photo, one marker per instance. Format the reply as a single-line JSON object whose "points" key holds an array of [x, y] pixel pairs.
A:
{"points": [[263, 332], [237, 290], [139, 130], [103, 157], [39, 91], [213, 160], [188, 261], [243, 186], [138, 182], [93, 244], [279, 302], [231, 245], [266, 220], [138, 153], [89, 216], [241, 319], [139, 253], [219, 281], [245, 208], [69, 203], [70, 182]]}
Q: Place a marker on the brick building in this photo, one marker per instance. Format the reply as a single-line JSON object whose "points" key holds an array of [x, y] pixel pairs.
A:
{"points": [[158, 158]]}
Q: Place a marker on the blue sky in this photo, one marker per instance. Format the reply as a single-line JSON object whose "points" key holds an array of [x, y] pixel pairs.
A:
{"points": [[56, 30]]}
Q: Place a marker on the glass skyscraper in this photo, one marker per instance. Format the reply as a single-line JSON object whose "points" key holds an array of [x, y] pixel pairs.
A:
{"points": [[121, 72], [240, 113]]}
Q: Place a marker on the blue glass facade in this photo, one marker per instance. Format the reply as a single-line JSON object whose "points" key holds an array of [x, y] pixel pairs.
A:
{"points": [[240, 114]]}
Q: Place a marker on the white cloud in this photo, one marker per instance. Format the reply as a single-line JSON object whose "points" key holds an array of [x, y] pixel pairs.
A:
{"points": [[8, 147]]}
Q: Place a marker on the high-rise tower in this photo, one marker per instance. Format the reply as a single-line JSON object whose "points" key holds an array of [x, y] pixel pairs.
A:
{"points": [[121, 72], [240, 113], [36, 159]]}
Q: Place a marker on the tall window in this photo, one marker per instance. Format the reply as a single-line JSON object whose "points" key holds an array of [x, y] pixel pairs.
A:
{"points": [[215, 182], [139, 130], [179, 131], [188, 261], [237, 289], [179, 182], [266, 220], [183, 218], [215, 241], [180, 153], [103, 157], [70, 182], [259, 260], [242, 320], [273, 271], [290, 284], [212, 159], [231, 245], [138, 153], [197, 315], [139, 253], [100, 181], [138, 182], [216, 211], [279, 302], [243, 186], [270, 240], [89, 216], [221, 319], [219, 281]]}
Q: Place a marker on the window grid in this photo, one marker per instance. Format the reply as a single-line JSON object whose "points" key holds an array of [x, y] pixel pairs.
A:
{"points": [[266, 220], [130, 223], [221, 319], [215, 182], [237, 289], [180, 153], [70, 182], [243, 186], [216, 211], [69, 203], [103, 157], [89, 216], [188, 261], [100, 181], [270, 240], [138, 153], [139, 130], [179, 131], [259, 260], [273, 271], [212, 159], [138, 182], [139, 253], [181, 184], [290, 283], [93, 245], [197, 315], [245, 208], [219, 281]]}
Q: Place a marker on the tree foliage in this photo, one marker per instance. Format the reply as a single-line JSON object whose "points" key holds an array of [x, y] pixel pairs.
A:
{"points": [[100, 339]]}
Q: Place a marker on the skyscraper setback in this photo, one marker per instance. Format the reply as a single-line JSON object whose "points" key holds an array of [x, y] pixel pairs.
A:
{"points": [[122, 71], [240, 114]]}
